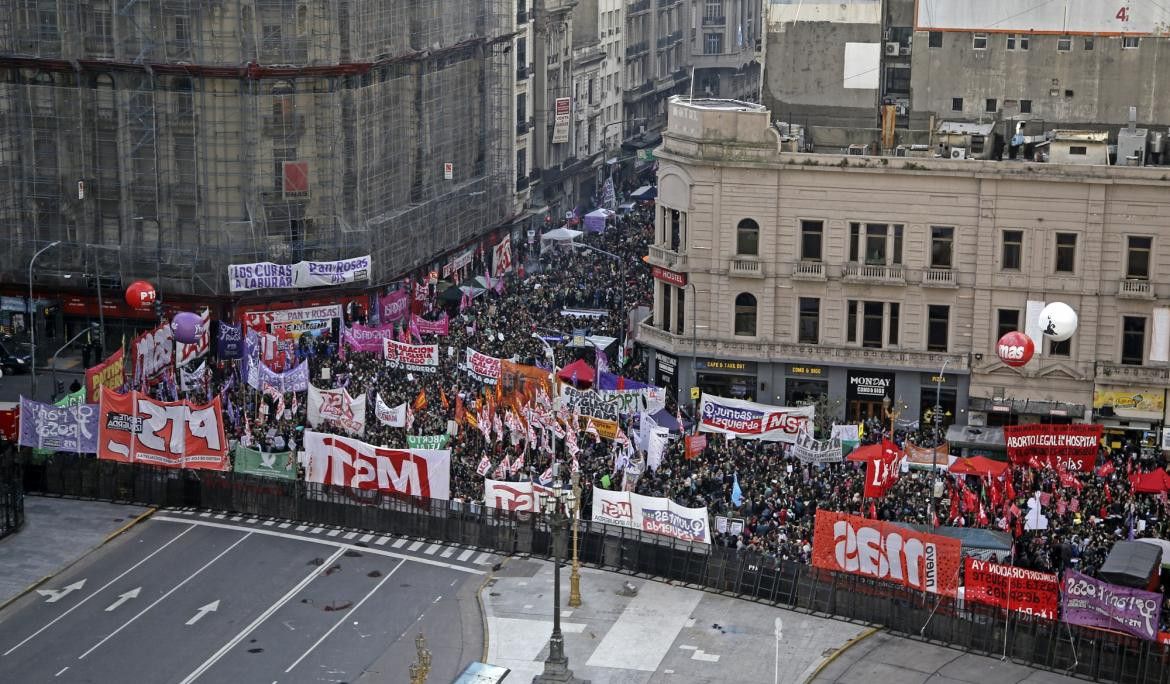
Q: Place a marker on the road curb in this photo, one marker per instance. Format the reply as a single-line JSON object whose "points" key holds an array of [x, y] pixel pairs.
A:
{"points": [[825, 662], [483, 611], [77, 560]]}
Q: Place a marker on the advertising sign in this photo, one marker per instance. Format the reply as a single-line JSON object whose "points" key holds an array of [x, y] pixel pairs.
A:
{"points": [[419, 358], [748, 420], [1093, 603], [1062, 447], [1006, 586], [59, 428], [1131, 400], [881, 550], [109, 373], [133, 428], [482, 367], [561, 120], [348, 462], [336, 406], [665, 371], [869, 385], [265, 274], [651, 514]]}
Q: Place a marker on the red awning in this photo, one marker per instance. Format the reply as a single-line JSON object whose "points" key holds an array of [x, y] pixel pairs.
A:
{"points": [[978, 465], [578, 373]]}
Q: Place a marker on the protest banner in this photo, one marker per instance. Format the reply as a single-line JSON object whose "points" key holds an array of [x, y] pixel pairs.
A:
{"points": [[1094, 603], [694, 445], [425, 327], [264, 320], [1061, 447], [133, 428], [267, 275], [229, 343], [109, 373], [809, 450], [392, 417], [514, 496], [726, 525], [482, 367], [1006, 586], [418, 358], [153, 352], [362, 338], [195, 380], [651, 514], [394, 306], [336, 406], [59, 428], [881, 550], [348, 462], [502, 257], [281, 464], [748, 420], [428, 441], [928, 457]]}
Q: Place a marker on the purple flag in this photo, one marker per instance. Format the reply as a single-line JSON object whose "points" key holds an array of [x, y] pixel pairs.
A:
{"points": [[394, 306], [61, 428], [230, 343], [1094, 603]]}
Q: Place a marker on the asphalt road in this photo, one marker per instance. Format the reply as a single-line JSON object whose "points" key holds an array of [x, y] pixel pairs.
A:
{"points": [[189, 596]]}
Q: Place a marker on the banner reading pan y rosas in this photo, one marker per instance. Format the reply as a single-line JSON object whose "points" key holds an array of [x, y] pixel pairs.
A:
{"points": [[651, 514]]}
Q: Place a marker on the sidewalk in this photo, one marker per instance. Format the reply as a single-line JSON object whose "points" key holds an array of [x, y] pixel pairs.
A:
{"points": [[665, 633], [56, 532]]}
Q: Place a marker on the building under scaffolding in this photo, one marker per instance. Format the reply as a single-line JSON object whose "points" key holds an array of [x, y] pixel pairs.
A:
{"points": [[166, 139]]}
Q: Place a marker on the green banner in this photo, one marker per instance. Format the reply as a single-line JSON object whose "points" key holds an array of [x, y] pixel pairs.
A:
{"points": [[427, 441], [280, 464]]}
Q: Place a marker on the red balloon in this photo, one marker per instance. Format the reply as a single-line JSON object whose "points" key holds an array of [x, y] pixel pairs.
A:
{"points": [[1015, 348], [140, 294]]}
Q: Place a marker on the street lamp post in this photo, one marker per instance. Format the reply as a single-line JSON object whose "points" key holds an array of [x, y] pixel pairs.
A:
{"points": [[937, 420], [557, 509], [32, 327], [575, 574], [421, 669]]}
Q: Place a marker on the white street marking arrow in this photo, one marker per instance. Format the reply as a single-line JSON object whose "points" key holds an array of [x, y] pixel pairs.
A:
{"points": [[204, 610], [133, 593], [55, 595]]}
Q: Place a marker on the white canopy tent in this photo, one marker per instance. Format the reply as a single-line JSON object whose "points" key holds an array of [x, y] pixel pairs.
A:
{"points": [[560, 235]]}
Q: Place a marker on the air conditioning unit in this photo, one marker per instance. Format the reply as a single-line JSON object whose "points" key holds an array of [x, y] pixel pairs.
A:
{"points": [[958, 153], [892, 49], [905, 51], [900, 151], [858, 150]]}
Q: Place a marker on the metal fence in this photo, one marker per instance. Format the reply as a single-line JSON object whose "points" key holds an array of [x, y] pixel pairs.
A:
{"points": [[11, 497], [1087, 653]]}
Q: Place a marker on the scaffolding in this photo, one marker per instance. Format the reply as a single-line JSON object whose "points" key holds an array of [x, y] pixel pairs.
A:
{"points": [[166, 139]]}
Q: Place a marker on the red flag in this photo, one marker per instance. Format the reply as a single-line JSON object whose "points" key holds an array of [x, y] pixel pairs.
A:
{"points": [[458, 408], [1106, 469], [982, 514], [954, 504], [485, 465], [872, 511], [443, 400]]}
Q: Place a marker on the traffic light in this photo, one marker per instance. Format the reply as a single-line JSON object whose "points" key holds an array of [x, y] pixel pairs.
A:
{"points": [[158, 310]]}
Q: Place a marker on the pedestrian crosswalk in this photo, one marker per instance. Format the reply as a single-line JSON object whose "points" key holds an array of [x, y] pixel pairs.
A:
{"points": [[420, 547]]}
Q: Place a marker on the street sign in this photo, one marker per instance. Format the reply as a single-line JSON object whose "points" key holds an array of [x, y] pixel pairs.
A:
{"points": [[694, 393]]}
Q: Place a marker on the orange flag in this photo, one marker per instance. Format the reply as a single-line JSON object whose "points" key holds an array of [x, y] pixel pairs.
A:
{"points": [[420, 402], [458, 408], [443, 399]]}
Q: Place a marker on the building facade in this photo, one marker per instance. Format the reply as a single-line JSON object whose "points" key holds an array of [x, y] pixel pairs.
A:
{"points": [[655, 62], [781, 277], [725, 44]]}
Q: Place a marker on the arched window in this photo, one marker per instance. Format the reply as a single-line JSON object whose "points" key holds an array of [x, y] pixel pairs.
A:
{"points": [[747, 238], [745, 314]]}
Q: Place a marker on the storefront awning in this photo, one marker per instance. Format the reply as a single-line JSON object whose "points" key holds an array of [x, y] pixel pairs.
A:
{"points": [[1031, 407], [990, 438]]}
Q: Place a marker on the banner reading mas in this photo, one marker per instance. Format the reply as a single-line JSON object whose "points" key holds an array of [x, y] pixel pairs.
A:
{"points": [[916, 560]]}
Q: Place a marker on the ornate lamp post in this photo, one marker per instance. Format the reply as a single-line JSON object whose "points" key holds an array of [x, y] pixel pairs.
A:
{"points": [[420, 669], [558, 507], [575, 574]]}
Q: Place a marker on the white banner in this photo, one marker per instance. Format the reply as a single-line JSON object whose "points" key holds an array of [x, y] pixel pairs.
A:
{"points": [[748, 420], [194, 380], [260, 319], [265, 274], [809, 450], [651, 514], [189, 352], [482, 367], [561, 113], [458, 262], [419, 358], [648, 399], [337, 407], [514, 496], [502, 257], [348, 462], [392, 417], [153, 351]]}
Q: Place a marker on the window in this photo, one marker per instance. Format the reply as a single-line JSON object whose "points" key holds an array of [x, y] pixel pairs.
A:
{"points": [[1011, 41], [956, 104], [713, 11], [851, 322], [808, 325], [1013, 250], [854, 239], [680, 298], [979, 41], [745, 315], [1079, 150], [1088, 43], [895, 311], [747, 238], [1066, 252], [990, 105], [1025, 106], [871, 325], [712, 43], [1133, 340], [674, 226], [1060, 349], [876, 244], [942, 242], [1137, 258], [1130, 42], [1024, 42], [934, 39], [938, 324], [521, 108], [1007, 320], [811, 234], [1064, 43], [521, 164]]}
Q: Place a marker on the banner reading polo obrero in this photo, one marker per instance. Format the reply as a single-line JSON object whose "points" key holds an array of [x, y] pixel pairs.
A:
{"points": [[651, 514], [514, 496], [337, 407], [1062, 447], [881, 550], [348, 462], [748, 420], [133, 428], [482, 367], [418, 358], [265, 274], [109, 373]]}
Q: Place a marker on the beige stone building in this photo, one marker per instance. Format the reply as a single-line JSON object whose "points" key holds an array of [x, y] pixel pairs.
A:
{"points": [[782, 276]]}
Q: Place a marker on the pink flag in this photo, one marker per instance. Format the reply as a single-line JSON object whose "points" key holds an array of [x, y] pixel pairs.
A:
{"points": [[517, 464], [485, 464], [501, 469]]}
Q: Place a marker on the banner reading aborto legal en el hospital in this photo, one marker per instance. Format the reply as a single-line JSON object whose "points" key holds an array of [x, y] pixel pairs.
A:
{"points": [[265, 274]]}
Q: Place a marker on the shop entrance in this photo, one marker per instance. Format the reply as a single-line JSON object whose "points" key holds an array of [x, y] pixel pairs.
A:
{"points": [[733, 386], [862, 409]]}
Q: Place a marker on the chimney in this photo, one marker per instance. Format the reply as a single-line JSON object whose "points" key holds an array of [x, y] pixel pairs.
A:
{"points": [[1132, 119]]}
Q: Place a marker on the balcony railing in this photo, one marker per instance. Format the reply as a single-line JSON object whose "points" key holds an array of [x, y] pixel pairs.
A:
{"points": [[521, 72], [746, 268], [808, 270], [637, 7], [869, 273], [637, 48], [1115, 373], [939, 277], [714, 21], [521, 183], [667, 258], [1135, 289], [521, 127]]}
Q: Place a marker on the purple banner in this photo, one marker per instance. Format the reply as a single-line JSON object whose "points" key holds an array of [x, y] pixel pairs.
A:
{"points": [[425, 327], [609, 381], [365, 338], [230, 343], [60, 428], [259, 376], [394, 306], [1093, 603]]}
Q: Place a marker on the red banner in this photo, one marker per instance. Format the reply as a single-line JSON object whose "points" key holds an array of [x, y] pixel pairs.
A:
{"points": [[695, 445], [133, 428], [1006, 586], [109, 373], [1062, 447], [881, 550]]}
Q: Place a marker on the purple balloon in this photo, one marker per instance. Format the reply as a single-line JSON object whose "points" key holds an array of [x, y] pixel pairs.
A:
{"points": [[187, 327]]}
